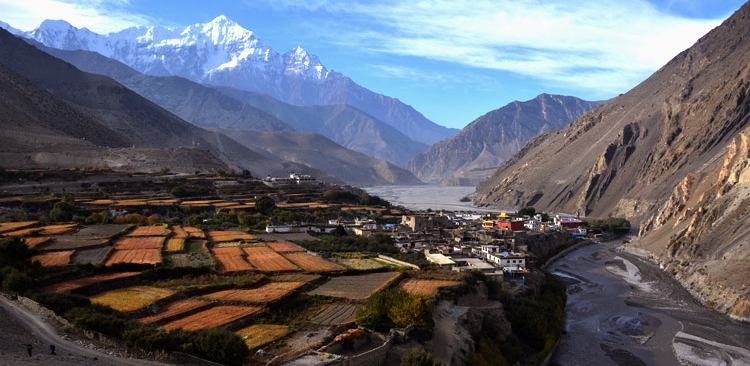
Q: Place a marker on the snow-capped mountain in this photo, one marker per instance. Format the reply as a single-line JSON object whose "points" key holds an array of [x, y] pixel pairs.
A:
{"points": [[223, 53]]}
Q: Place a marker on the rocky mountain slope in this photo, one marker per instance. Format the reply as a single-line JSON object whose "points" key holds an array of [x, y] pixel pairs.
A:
{"points": [[223, 53], [120, 128], [672, 155], [471, 155], [231, 108]]}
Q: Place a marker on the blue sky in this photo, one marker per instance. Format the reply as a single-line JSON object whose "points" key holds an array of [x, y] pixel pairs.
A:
{"points": [[451, 60]]}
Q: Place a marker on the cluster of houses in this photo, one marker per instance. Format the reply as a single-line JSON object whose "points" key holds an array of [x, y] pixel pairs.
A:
{"points": [[294, 179], [457, 241]]}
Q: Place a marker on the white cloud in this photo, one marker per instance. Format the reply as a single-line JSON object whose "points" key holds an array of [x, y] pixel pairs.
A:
{"points": [[101, 16], [599, 45]]}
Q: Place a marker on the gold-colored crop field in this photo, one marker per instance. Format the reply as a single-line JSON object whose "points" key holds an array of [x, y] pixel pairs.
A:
{"points": [[231, 259], [263, 294], [140, 242], [175, 308], [285, 247], [359, 287], [425, 288], [86, 281], [174, 245], [13, 226], [156, 230], [53, 258], [130, 203], [266, 260], [43, 230], [218, 236], [131, 298], [214, 317], [141, 256], [311, 263], [258, 335], [36, 241]]}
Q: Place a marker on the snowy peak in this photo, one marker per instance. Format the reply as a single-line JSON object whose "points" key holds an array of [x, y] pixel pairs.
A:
{"points": [[299, 62]]}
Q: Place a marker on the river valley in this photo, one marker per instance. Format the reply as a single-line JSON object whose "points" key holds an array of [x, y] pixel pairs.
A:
{"points": [[623, 310]]}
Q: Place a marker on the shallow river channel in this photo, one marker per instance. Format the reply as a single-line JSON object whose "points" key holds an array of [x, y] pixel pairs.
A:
{"points": [[623, 310]]}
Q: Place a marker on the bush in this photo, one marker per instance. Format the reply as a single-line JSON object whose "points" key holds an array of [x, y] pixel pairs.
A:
{"points": [[392, 308], [215, 344], [61, 302]]}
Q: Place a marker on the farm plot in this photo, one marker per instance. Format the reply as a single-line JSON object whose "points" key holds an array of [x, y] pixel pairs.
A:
{"points": [[174, 309], [179, 232], [231, 259], [219, 236], [87, 281], [285, 247], [140, 242], [104, 230], [175, 245], [13, 226], [258, 335], [194, 232], [53, 258], [359, 287], [191, 259], [425, 288], [214, 317], [263, 294], [93, 256], [131, 298], [36, 241], [156, 230], [68, 242], [266, 260], [140, 256], [294, 277], [311, 263], [362, 264], [335, 315]]}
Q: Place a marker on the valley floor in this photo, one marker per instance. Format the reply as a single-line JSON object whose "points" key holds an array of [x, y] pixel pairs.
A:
{"points": [[623, 310]]}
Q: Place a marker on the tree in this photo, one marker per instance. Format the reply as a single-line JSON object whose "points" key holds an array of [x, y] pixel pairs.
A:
{"points": [[339, 231], [418, 357], [14, 253], [265, 205]]}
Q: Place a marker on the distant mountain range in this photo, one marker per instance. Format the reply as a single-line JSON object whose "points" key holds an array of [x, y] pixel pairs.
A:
{"points": [[222, 53], [474, 153], [672, 155], [55, 115]]}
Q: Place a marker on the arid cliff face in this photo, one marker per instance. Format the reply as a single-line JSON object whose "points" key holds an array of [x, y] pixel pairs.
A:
{"points": [[671, 155]]}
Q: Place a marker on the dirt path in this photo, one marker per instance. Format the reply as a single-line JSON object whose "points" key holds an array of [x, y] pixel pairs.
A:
{"points": [[20, 326]]}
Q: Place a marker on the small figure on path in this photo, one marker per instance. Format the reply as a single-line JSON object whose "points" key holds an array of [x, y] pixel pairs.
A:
{"points": [[28, 348], [52, 349]]}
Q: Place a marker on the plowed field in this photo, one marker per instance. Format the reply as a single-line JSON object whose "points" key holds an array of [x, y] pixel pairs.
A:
{"points": [[266, 260], [266, 293], [425, 287], [285, 247], [140, 242], [86, 281], [143, 256], [336, 315], [53, 258], [230, 259], [218, 236], [175, 245], [214, 317], [311, 263], [149, 231], [358, 287], [174, 309]]}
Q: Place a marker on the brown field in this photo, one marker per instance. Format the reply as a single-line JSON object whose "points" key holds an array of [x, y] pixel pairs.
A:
{"points": [[131, 298], [140, 242], [185, 260], [175, 308], [106, 202], [263, 294], [179, 232], [156, 230], [303, 205], [93, 256], [130, 203], [218, 236], [43, 230], [104, 230], [311, 263], [194, 232], [202, 203], [359, 287], [225, 204], [53, 258], [23, 232], [294, 277], [285, 247], [425, 288], [174, 245], [258, 335], [141, 256], [13, 226], [86, 281], [335, 315], [36, 241], [231, 259], [213, 317], [163, 202], [266, 260]]}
